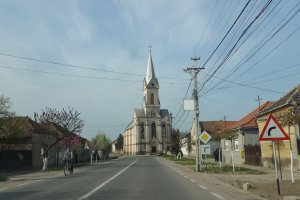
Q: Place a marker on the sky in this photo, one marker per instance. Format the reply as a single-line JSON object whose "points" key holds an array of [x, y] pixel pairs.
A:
{"points": [[92, 56]]}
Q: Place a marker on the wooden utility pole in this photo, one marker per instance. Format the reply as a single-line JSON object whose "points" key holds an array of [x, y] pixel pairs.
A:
{"points": [[258, 100], [194, 71]]}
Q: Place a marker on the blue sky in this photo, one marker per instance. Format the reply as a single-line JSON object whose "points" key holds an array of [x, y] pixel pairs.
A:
{"points": [[112, 37]]}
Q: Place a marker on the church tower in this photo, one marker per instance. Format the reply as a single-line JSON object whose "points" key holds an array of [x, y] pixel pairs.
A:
{"points": [[150, 129]]}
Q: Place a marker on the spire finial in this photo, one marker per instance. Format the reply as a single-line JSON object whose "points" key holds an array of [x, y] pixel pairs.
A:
{"points": [[150, 47]]}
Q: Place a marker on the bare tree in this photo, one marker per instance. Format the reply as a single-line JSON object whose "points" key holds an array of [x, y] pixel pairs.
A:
{"points": [[287, 118], [68, 122]]}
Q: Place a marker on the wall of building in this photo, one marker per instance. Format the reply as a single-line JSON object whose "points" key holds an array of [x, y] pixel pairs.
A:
{"points": [[284, 146]]}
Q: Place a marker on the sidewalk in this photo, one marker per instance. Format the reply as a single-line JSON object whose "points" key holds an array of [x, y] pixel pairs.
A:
{"points": [[215, 185], [261, 184]]}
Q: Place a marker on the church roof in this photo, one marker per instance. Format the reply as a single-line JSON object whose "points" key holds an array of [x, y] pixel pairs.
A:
{"points": [[139, 112], [150, 70], [164, 113]]}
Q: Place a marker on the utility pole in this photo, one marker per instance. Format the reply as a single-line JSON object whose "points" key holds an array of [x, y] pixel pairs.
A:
{"points": [[171, 133], [258, 99], [194, 71]]}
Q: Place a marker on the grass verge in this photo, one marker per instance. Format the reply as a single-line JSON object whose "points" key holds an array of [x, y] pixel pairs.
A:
{"points": [[210, 167], [2, 177]]}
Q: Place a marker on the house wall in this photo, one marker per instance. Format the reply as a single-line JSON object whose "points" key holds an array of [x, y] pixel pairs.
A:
{"points": [[237, 150], [284, 146], [37, 145], [251, 136]]}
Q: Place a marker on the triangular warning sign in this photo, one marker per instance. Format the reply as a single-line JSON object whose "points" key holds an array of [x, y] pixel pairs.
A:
{"points": [[273, 131]]}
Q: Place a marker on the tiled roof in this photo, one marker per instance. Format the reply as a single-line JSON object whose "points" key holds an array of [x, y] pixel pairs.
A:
{"points": [[249, 120], [214, 125], [283, 100]]}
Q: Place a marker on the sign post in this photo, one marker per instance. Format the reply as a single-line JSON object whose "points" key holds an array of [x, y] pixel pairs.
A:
{"points": [[205, 137], [273, 131]]}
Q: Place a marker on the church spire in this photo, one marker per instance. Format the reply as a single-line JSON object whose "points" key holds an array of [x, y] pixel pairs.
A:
{"points": [[150, 69]]}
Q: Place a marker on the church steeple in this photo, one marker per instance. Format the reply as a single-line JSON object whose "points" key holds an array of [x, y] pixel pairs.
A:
{"points": [[150, 74], [151, 86]]}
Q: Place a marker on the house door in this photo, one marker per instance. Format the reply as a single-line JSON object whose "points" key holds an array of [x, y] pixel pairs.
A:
{"points": [[252, 155], [153, 150]]}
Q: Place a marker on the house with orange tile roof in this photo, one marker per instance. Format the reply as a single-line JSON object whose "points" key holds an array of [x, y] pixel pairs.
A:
{"points": [[244, 147]]}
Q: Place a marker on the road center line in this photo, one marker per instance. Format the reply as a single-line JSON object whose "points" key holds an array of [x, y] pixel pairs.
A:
{"points": [[104, 183]]}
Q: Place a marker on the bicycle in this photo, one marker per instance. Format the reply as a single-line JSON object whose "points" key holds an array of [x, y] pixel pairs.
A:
{"points": [[68, 167]]}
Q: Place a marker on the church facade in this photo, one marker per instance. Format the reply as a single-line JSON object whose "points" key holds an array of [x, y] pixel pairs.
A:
{"points": [[149, 131]]}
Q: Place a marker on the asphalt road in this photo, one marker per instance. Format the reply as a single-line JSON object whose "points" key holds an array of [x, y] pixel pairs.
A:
{"points": [[140, 177]]}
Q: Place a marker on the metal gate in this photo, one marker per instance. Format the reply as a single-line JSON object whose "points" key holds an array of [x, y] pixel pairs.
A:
{"points": [[252, 155]]}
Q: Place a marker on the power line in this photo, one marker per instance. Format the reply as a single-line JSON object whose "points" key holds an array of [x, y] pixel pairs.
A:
{"points": [[78, 66], [230, 53], [227, 32]]}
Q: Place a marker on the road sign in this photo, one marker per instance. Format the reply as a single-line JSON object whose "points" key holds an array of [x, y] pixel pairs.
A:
{"points": [[204, 137], [272, 130], [205, 149]]}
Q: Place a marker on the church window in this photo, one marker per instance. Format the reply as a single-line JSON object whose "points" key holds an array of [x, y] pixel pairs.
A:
{"points": [[153, 130], [142, 131], [164, 130], [152, 114], [152, 99]]}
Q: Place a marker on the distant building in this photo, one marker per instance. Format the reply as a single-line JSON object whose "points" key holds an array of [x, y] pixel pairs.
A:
{"points": [[149, 131]]}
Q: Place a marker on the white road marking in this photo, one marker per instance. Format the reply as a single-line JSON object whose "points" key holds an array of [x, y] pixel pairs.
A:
{"points": [[3, 189], [217, 195], [186, 177], [181, 174], [22, 184], [203, 187], [104, 183], [193, 181]]}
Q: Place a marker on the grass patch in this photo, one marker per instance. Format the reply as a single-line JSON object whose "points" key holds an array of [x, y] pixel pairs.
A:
{"points": [[183, 161], [210, 167], [227, 169], [2, 177]]}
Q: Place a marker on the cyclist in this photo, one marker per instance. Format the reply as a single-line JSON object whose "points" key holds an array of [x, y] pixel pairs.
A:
{"points": [[68, 157]]}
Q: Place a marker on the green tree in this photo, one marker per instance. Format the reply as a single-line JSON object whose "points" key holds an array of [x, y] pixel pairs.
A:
{"points": [[9, 127], [119, 144], [102, 143], [5, 106], [288, 119]]}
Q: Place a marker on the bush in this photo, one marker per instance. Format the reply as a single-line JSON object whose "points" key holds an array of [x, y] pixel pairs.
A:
{"points": [[3, 177]]}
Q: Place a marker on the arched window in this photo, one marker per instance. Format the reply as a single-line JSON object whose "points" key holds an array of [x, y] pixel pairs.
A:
{"points": [[142, 131], [153, 130], [152, 99]]}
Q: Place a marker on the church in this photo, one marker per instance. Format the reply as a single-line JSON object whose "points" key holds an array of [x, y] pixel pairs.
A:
{"points": [[149, 131]]}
